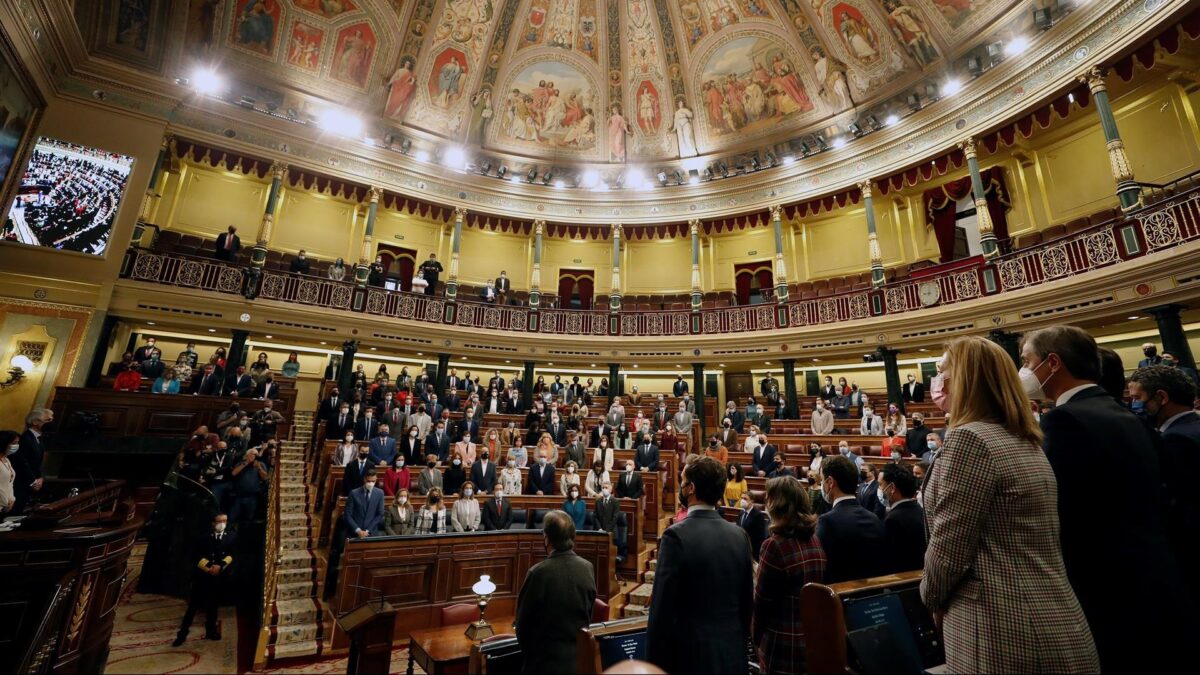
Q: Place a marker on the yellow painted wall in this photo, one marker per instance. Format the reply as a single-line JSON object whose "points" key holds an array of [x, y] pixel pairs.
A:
{"points": [[408, 231], [484, 253], [318, 223], [736, 248], [205, 201], [589, 254], [657, 266], [835, 244]]}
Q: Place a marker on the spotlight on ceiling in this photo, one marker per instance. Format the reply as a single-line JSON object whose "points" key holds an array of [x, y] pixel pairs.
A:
{"points": [[914, 102], [247, 102], [1016, 46], [952, 86], [559, 184], [873, 122], [340, 122], [388, 140], [932, 91], [724, 169], [678, 177], [485, 168], [789, 160], [422, 156], [406, 145], [1042, 19], [456, 158], [501, 171], [662, 177], [891, 120], [547, 177], [754, 164], [693, 177], [707, 174], [532, 175], [207, 82], [975, 66], [855, 128], [635, 179], [839, 142], [590, 178], [995, 52], [821, 142], [772, 160]]}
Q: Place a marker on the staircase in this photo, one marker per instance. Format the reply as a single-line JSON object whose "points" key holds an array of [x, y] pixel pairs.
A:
{"points": [[297, 614]]}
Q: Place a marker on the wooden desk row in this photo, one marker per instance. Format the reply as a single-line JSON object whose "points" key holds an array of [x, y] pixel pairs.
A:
{"points": [[142, 414]]}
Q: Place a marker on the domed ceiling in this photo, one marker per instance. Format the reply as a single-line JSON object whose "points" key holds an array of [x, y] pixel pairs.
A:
{"points": [[595, 80]]}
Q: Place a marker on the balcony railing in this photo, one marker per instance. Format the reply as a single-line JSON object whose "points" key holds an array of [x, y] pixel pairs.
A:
{"points": [[1148, 231]]}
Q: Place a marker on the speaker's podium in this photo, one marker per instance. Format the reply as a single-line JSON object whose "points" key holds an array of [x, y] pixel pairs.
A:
{"points": [[370, 627], [870, 626]]}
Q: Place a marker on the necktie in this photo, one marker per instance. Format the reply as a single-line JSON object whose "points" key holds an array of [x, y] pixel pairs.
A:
{"points": [[229, 242], [361, 467]]}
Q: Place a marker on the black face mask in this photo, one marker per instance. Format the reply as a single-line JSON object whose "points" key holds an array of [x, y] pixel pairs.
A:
{"points": [[434, 499], [1150, 352], [431, 464]]}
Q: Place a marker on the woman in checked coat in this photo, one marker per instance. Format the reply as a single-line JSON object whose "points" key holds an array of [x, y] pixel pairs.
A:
{"points": [[994, 575]]}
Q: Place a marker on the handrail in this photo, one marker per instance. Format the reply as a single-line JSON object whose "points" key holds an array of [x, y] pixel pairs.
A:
{"points": [[1150, 229], [271, 556]]}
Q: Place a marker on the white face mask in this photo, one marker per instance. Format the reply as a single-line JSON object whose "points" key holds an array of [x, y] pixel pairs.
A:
{"points": [[604, 492], [1031, 384], [402, 500], [370, 486], [219, 527], [468, 492]]}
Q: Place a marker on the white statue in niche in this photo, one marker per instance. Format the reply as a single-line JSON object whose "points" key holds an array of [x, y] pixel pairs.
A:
{"points": [[684, 132]]}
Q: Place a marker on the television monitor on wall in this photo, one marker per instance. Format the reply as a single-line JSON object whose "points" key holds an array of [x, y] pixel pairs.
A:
{"points": [[68, 197]]}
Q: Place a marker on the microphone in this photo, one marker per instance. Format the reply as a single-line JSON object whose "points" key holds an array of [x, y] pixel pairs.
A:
{"points": [[93, 480], [372, 590]]}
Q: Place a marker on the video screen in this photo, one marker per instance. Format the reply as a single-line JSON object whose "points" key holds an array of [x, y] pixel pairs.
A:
{"points": [[68, 197], [621, 647]]}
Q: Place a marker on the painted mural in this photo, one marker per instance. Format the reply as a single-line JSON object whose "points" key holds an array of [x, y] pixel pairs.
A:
{"points": [[353, 53], [447, 78], [201, 19], [255, 25], [549, 104], [401, 87], [565, 24], [649, 108], [704, 17], [910, 30], [304, 46], [956, 12], [750, 84], [326, 8], [857, 35], [465, 22]]}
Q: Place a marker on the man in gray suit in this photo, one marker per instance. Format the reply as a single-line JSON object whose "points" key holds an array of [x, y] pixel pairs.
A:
{"points": [[683, 420], [616, 414], [555, 601], [703, 588]]}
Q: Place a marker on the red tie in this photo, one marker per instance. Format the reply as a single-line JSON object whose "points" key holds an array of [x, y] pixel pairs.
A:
{"points": [[228, 242]]}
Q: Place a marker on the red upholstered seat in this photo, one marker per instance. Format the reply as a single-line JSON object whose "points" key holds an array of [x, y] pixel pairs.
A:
{"points": [[461, 613]]}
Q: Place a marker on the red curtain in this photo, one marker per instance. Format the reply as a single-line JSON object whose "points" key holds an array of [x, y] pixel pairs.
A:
{"points": [[566, 286], [405, 261], [941, 211], [744, 275], [586, 287], [765, 278]]}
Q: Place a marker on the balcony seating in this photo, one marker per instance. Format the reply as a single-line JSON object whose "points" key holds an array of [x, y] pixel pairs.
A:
{"points": [[1078, 225]]}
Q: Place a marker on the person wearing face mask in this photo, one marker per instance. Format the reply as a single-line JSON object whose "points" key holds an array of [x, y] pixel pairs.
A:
{"points": [[497, 510], [914, 438], [850, 534], [430, 477], [1150, 351], [645, 456], [845, 451], [608, 517], [399, 517], [737, 421], [629, 484], [213, 553], [397, 477], [661, 417], [383, 447], [728, 436], [596, 477], [816, 456], [868, 490], [575, 450], [753, 521], [671, 444], [871, 424], [541, 477], [1087, 430], [717, 451], [437, 443], [933, 447], [780, 468], [410, 447], [570, 479], [454, 476], [465, 450], [364, 509], [895, 420], [735, 485], [903, 521], [828, 390], [822, 420], [483, 472], [434, 517], [465, 514], [1171, 361], [9, 444], [574, 506]]}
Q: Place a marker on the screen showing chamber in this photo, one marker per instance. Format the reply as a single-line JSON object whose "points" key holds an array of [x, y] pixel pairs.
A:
{"points": [[68, 197], [621, 647], [909, 627]]}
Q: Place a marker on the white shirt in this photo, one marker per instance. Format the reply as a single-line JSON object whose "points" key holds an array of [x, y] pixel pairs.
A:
{"points": [[701, 507], [842, 499], [1174, 418], [1070, 393]]}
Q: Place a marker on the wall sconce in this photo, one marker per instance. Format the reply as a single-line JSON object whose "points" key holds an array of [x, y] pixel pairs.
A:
{"points": [[20, 365], [482, 629]]}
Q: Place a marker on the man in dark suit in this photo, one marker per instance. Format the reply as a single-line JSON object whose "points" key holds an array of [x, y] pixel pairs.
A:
{"points": [[503, 288], [1167, 397], [487, 294], [629, 483], [228, 245], [679, 388], [1145, 625], [661, 417], [239, 384], [497, 382], [143, 353], [754, 522], [483, 473], [541, 477], [767, 384], [828, 391], [916, 438], [438, 442], [763, 457], [366, 427], [432, 268], [268, 390], [699, 620], [27, 463], [497, 512], [851, 535], [555, 601], [453, 381], [341, 422], [352, 475], [207, 383], [607, 513], [904, 524], [645, 456], [299, 264], [409, 447], [737, 421], [914, 391], [556, 429], [601, 430], [364, 509], [1151, 353], [213, 554], [383, 447], [468, 425], [330, 406], [868, 491]]}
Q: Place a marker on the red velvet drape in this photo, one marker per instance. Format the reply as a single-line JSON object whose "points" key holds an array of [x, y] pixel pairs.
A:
{"points": [[744, 275], [940, 207], [586, 287], [566, 286], [407, 269], [766, 279]]}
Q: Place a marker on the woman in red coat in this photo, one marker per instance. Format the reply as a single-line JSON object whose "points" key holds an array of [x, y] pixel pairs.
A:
{"points": [[397, 477]]}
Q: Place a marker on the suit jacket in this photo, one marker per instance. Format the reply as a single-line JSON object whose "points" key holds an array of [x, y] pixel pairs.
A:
{"points": [[646, 457], [763, 458], [594, 437], [496, 518], [352, 478], [555, 602], [1084, 439], [27, 465], [242, 384], [365, 430], [503, 284], [994, 556], [209, 549], [398, 522], [871, 426], [629, 485], [701, 631], [1179, 448], [660, 418], [904, 536], [410, 449], [268, 390], [337, 425], [754, 522], [428, 479], [465, 426], [558, 432], [679, 388], [729, 438], [231, 254], [206, 385], [364, 512], [383, 450], [868, 498], [606, 513], [682, 422], [915, 439], [436, 446], [487, 295], [828, 391], [576, 452], [484, 478], [541, 479], [737, 420], [853, 541], [914, 393]]}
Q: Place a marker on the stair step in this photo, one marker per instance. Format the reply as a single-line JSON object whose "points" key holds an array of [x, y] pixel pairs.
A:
{"points": [[290, 650], [294, 576], [290, 560], [640, 596], [297, 613], [295, 590], [649, 577], [634, 610], [652, 564]]}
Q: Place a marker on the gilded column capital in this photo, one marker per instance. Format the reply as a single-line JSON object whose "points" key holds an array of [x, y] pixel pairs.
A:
{"points": [[168, 142], [539, 227], [460, 214], [278, 170], [694, 226], [865, 186], [1094, 79], [967, 145], [777, 212], [616, 230], [373, 194]]}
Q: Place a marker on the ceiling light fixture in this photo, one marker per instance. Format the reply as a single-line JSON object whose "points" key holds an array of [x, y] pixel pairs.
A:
{"points": [[546, 177], [422, 156], [789, 160], [456, 158], [532, 175], [952, 87], [890, 120], [559, 184], [342, 123], [662, 177], [207, 82], [839, 142], [501, 171], [590, 178]]}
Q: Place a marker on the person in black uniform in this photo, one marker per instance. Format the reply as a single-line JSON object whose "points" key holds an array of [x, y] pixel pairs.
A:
{"points": [[432, 268], [213, 555]]}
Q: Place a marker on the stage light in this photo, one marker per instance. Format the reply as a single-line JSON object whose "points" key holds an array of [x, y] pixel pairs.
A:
{"points": [[724, 169], [804, 149], [207, 82], [590, 178], [771, 159], [953, 86], [662, 177], [1041, 18], [890, 120], [340, 122], [821, 142], [855, 129], [707, 174], [914, 102], [693, 177], [485, 168], [558, 184], [789, 160], [501, 171], [754, 162], [678, 177], [839, 142], [422, 156], [456, 158], [1016, 46], [406, 145], [546, 177], [975, 66], [531, 176]]}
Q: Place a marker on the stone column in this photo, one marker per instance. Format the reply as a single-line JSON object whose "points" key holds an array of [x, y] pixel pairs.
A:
{"points": [[781, 289], [259, 256], [1010, 342], [152, 196], [100, 355], [872, 238], [237, 351], [1170, 331], [614, 298], [1128, 191], [789, 387], [987, 237], [614, 374], [455, 242], [891, 374], [698, 388], [535, 276], [346, 370], [363, 269], [443, 370], [697, 292], [527, 386]]}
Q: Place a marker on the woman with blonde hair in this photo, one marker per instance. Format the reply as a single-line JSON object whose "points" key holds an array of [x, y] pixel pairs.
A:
{"points": [[465, 515], [994, 574], [492, 442], [546, 442], [570, 479]]}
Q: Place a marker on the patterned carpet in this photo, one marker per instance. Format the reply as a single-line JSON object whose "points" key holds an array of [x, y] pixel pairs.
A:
{"points": [[146, 625], [338, 665]]}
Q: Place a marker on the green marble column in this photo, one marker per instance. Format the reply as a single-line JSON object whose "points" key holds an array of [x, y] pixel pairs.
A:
{"points": [[535, 275], [614, 298], [781, 289], [697, 292], [1128, 191], [455, 242], [987, 237], [872, 238], [363, 269]]}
